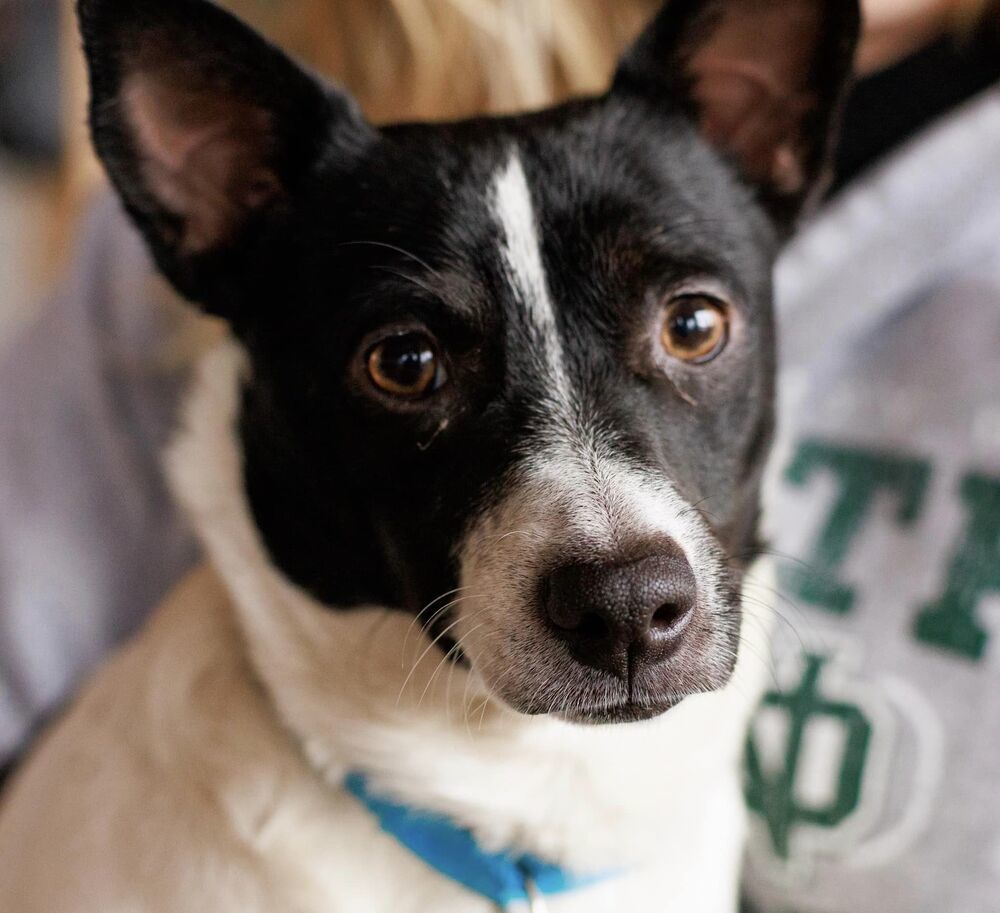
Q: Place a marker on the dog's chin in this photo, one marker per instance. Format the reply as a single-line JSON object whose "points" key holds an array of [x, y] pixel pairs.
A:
{"points": [[628, 712], [649, 698], [600, 713]]}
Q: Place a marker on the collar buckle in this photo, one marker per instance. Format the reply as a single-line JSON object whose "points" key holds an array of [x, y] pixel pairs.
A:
{"points": [[533, 902], [536, 900]]}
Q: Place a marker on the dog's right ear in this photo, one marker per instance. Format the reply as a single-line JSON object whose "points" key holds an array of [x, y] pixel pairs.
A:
{"points": [[206, 131]]}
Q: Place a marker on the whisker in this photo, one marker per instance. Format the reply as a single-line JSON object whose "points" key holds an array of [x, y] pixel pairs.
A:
{"points": [[416, 618], [399, 250], [784, 598], [452, 650], [406, 277], [779, 616], [773, 553], [434, 642], [514, 532]]}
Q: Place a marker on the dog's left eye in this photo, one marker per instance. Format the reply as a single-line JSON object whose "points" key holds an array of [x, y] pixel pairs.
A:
{"points": [[695, 328], [406, 365]]}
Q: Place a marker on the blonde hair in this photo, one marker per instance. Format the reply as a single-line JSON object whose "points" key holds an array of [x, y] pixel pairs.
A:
{"points": [[969, 13], [421, 59], [433, 59]]}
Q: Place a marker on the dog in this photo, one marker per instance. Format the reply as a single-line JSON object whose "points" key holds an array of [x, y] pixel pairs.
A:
{"points": [[477, 473]]}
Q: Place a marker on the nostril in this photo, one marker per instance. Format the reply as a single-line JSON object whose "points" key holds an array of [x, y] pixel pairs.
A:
{"points": [[669, 618], [588, 626], [593, 627]]}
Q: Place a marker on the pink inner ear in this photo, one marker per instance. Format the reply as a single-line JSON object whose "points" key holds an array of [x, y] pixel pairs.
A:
{"points": [[751, 83], [203, 156], [752, 122]]}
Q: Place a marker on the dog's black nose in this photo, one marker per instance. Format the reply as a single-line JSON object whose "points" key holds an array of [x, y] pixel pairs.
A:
{"points": [[609, 613]]}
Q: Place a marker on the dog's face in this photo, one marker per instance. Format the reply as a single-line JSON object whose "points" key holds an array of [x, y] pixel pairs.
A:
{"points": [[511, 375]]}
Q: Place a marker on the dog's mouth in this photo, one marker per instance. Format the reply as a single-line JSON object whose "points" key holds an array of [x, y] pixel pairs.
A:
{"points": [[628, 712], [554, 682]]}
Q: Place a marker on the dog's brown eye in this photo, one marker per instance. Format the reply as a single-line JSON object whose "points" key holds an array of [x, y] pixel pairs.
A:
{"points": [[406, 365], [696, 328]]}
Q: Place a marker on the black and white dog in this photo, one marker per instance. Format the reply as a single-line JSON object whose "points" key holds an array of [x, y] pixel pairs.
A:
{"points": [[478, 471]]}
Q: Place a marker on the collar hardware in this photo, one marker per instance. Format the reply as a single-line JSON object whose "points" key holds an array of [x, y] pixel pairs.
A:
{"points": [[511, 882], [536, 900]]}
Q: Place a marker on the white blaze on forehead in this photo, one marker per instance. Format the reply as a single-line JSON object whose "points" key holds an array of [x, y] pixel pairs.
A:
{"points": [[522, 253], [610, 502], [575, 491]]}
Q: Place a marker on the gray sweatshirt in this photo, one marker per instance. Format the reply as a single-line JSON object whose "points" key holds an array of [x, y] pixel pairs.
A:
{"points": [[873, 767]]}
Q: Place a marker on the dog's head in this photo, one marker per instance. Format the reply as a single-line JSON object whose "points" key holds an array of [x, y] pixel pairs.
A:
{"points": [[513, 375]]}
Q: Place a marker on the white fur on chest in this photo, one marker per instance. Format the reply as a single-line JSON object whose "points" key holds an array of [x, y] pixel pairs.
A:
{"points": [[662, 795]]}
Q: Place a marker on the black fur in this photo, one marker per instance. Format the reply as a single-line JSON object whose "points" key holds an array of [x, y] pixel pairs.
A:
{"points": [[356, 229], [633, 206]]}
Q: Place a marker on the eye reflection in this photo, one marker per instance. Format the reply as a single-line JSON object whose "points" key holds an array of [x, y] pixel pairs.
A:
{"points": [[695, 328], [406, 365]]}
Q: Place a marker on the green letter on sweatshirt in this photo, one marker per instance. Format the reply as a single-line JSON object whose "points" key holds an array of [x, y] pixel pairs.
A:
{"points": [[950, 621], [860, 475]]}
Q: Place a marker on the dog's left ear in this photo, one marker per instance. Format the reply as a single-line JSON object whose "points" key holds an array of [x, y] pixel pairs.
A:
{"points": [[208, 133], [763, 79]]}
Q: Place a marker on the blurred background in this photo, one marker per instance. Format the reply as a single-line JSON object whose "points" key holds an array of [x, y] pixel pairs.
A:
{"points": [[31, 146]]}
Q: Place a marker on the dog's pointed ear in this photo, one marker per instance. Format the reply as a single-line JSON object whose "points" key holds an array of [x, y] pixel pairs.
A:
{"points": [[206, 131], [764, 80]]}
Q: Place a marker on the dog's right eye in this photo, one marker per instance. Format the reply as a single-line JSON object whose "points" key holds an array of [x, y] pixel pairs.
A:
{"points": [[406, 365], [695, 328]]}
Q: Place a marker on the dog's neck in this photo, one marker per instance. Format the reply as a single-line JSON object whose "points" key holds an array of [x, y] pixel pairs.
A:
{"points": [[365, 690]]}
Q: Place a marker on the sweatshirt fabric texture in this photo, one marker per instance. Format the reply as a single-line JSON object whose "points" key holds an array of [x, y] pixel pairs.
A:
{"points": [[872, 766]]}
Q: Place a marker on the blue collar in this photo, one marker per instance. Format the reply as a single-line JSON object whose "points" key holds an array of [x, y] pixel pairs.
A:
{"points": [[452, 850]]}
